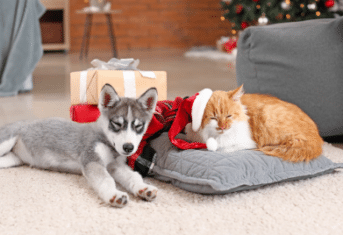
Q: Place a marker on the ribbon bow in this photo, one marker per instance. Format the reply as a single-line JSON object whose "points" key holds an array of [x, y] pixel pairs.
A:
{"points": [[120, 64], [115, 64]]}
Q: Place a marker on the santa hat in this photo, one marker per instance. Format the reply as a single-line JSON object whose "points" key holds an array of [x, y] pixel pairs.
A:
{"points": [[190, 110]]}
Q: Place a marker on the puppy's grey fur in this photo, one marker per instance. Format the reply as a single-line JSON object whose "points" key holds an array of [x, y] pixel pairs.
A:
{"points": [[96, 150]]}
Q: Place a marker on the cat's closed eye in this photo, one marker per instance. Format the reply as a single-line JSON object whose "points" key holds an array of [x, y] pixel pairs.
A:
{"points": [[228, 116], [213, 118]]}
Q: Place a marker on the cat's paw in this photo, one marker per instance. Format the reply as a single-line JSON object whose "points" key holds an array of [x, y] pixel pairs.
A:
{"points": [[120, 199], [148, 192], [212, 144]]}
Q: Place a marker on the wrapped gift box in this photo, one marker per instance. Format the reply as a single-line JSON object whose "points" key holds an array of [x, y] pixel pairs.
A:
{"points": [[86, 85]]}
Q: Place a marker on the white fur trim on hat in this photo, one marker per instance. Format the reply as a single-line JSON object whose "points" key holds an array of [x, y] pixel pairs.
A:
{"points": [[199, 106]]}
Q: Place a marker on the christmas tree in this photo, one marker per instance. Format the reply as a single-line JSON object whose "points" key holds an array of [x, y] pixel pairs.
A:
{"points": [[243, 13]]}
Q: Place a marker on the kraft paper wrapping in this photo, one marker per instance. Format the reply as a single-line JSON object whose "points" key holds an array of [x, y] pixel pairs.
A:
{"points": [[87, 90]]}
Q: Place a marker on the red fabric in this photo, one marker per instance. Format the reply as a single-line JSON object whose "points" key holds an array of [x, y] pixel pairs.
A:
{"points": [[183, 117], [170, 116], [84, 113]]}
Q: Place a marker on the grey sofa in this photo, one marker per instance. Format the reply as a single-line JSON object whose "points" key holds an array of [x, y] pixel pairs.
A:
{"points": [[300, 62]]}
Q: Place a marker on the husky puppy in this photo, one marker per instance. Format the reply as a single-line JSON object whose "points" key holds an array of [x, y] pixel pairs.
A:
{"points": [[97, 150]]}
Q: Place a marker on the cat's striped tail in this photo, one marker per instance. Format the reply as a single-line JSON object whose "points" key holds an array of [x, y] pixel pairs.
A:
{"points": [[295, 149]]}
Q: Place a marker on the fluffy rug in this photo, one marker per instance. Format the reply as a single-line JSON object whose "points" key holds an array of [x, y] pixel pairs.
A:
{"points": [[211, 53], [37, 202]]}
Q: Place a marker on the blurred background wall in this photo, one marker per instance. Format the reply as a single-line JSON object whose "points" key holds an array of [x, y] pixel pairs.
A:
{"points": [[152, 24]]}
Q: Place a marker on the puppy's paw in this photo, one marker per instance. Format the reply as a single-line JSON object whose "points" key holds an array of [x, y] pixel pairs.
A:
{"points": [[148, 192], [120, 199], [212, 144]]}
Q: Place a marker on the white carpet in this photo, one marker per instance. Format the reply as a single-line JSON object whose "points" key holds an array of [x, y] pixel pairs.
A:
{"points": [[41, 202], [211, 54]]}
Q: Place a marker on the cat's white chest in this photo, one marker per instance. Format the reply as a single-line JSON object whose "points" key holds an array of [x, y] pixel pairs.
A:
{"points": [[238, 137]]}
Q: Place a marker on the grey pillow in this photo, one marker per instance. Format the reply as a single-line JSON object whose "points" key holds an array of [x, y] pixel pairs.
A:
{"points": [[300, 62], [208, 172]]}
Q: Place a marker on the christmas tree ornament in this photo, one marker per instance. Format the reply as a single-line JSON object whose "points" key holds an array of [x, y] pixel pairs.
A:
{"points": [[249, 12], [231, 44], [244, 25], [279, 16], [312, 6], [239, 9], [329, 3], [286, 5], [263, 20]]}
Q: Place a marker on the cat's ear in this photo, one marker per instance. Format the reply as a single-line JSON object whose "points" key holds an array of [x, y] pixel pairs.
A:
{"points": [[237, 93]]}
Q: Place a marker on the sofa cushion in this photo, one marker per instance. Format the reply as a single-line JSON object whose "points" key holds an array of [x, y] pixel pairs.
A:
{"points": [[300, 62]]}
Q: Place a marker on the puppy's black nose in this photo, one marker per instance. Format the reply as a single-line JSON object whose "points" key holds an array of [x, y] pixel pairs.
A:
{"points": [[128, 147]]}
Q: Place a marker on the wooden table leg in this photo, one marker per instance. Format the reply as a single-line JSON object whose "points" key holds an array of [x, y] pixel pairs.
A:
{"points": [[86, 36], [111, 34]]}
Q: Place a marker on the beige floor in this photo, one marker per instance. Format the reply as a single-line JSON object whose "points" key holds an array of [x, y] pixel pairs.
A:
{"points": [[50, 96]]}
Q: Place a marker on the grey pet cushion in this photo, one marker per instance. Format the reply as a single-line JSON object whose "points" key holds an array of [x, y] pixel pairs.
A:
{"points": [[207, 172], [300, 62]]}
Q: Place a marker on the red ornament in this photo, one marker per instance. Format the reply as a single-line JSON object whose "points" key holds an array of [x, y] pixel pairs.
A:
{"points": [[255, 0], [239, 9], [329, 3], [244, 25], [230, 44]]}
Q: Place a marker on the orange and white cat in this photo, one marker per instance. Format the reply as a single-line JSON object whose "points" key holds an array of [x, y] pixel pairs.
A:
{"points": [[234, 121]]}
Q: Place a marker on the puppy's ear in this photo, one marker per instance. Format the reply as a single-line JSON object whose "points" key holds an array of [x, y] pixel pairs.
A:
{"points": [[108, 97], [149, 99]]}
